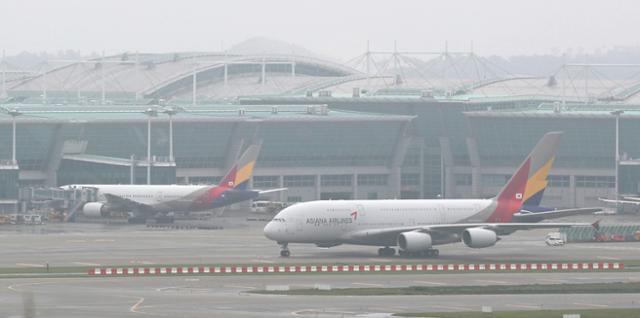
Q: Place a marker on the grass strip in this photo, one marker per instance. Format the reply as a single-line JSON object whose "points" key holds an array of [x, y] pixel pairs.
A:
{"points": [[584, 313], [595, 288]]}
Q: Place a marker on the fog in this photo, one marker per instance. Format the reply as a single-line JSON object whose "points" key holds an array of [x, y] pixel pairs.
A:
{"points": [[338, 29]]}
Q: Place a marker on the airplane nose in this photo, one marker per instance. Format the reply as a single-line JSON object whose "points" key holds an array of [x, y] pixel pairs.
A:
{"points": [[270, 231]]}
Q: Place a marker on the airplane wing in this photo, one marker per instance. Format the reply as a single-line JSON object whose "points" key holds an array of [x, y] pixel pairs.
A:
{"points": [[447, 230], [553, 214], [631, 202], [272, 190], [125, 204]]}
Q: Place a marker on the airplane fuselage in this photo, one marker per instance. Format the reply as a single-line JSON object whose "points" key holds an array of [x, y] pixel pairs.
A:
{"points": [[328, 223], [172, 198]]}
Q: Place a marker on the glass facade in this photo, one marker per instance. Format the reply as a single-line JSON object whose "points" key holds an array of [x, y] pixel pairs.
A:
{"points": [[79, 172], [586, 143], [595, 182], [9, 184], [462, 179], [336, 180], [410, 179], [555, 181], [373, 179], [299, 181], [266, 182], [494, 180], [318, 144]]}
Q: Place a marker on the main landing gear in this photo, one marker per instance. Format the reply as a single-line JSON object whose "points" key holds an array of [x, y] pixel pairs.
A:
{"points": [[386, 251], [284, 250], [430, 253]]}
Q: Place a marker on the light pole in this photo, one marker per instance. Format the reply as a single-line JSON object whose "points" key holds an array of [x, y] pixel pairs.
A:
{"points": [[150, 112], [13, 113], [171, 111], [617, 113]]}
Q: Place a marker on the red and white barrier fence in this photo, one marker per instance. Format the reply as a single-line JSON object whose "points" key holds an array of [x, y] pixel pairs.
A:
{"points": [[377, 268]]}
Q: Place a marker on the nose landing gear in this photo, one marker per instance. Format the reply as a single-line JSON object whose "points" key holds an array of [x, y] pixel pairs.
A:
{"points": [[284, 250]]}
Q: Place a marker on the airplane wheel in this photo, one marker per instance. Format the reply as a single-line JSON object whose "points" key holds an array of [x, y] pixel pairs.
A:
{"points": [[387, 251], [285, 253], [432, 253]]}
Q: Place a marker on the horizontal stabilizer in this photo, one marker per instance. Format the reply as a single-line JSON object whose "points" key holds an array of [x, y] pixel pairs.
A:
{"points": [[553, 214], [272, 190], [629, 202]]}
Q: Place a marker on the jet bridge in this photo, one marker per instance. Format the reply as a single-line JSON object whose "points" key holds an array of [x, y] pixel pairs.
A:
{"points": [[68, 202]]}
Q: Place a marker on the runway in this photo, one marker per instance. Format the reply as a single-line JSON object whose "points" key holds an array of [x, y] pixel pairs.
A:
{"points": [[226, 297]]}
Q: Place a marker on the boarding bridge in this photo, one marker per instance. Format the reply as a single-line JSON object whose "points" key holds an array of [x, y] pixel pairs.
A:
{"points": [[68, 201]]}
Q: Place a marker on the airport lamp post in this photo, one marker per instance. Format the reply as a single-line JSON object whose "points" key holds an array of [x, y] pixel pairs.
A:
{"points": [[13, 113], [171, 111], [150, 112], [617, 113]]}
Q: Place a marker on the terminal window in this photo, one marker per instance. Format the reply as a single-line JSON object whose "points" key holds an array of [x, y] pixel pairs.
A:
{"points": [[266, 181], [373, 179], [299, 181], [336, 180], [559, 181]]}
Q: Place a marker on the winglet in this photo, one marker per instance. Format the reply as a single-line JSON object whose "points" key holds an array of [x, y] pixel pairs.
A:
{"points": [[529, 179]]}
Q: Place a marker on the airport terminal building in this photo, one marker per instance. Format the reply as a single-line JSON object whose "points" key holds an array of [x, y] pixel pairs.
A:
{"points": [[329, 130]]}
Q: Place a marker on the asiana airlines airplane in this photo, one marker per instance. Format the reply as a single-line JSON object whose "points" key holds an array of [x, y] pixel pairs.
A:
{"points": [[416, 226]]}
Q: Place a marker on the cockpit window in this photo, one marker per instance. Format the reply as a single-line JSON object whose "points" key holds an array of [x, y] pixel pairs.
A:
{"points": [[278, 220]]}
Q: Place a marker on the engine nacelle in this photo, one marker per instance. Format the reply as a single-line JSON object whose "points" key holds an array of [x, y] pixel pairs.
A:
{"points": [[95, 210], [414, 242], [479, 238]]}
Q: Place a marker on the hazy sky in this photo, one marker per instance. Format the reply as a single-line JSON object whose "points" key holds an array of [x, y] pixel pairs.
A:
{"points": [[337, 28]]}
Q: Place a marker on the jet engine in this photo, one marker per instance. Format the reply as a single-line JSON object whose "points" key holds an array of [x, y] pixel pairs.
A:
{"points": [[414, 242], [95, 210], [479, 238]]}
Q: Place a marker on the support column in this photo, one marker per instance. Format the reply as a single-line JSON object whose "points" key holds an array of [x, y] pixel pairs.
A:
{"points": [[234, 146], [318, 187], [226, 74], [264, 71], [194, 84], [132, 170], [354, 186], [474, 159], [445, 167], [103, 81], [399, 153], [55, 157]]}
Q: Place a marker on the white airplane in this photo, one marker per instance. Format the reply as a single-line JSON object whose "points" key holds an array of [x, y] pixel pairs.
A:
{"points": [[149, 200], [415, 226]]}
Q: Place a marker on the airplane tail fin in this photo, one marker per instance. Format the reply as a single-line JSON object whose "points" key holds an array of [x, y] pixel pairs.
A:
{"points": [[529, 181], [239, 175]]}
